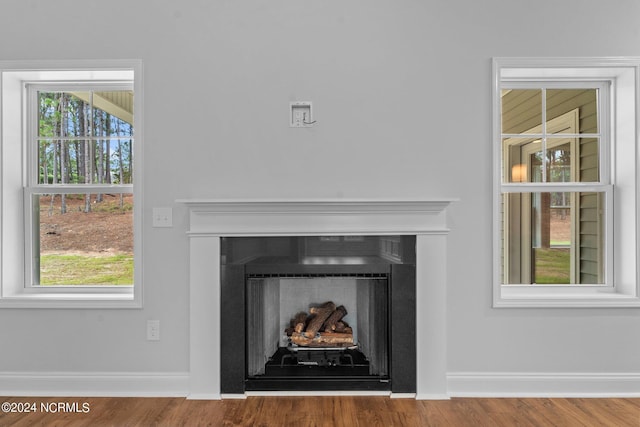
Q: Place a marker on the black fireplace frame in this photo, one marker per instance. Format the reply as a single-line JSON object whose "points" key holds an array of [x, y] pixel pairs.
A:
{"points": [[401, 320]]}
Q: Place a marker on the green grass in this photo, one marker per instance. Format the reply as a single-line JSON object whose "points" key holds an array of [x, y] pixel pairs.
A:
{"points": [[86, 270], [553, 266], [112, 207]]}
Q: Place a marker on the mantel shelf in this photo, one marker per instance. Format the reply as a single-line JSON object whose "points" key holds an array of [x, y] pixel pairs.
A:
{"points": [[435, 203], [234, 217]]}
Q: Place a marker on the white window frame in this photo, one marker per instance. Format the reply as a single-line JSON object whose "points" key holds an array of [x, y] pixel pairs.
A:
{"points": [[17, 185], [618, 165]]}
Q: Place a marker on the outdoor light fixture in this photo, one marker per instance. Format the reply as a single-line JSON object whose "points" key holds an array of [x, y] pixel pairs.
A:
{"points": [[519, 173]]}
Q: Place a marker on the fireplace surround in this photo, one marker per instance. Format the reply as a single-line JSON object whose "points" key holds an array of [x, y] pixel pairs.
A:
{"points": [[318, 313], [212, 220]]}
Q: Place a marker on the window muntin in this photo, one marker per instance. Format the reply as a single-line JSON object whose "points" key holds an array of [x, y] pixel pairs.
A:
{"points": [[548, 117], [80, 139]]}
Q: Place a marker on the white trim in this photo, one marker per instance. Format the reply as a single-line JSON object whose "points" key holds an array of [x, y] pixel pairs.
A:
{"points": [[13, 293], [521, 384], [623, 200], [79, 189], [315, 217], [581, 187], [68, 300], [459, 384], [90, 384], [204, 324], [209, 220]]}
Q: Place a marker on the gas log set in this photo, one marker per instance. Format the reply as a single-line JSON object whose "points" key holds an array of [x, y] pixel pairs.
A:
{"points": [[323, 326]]}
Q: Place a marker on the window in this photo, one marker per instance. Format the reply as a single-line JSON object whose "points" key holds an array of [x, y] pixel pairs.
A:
{"points": [[565, 156], [70, 158]]}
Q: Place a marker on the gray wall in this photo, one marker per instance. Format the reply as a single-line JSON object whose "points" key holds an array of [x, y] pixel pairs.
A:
{"points": [[402, 98]]}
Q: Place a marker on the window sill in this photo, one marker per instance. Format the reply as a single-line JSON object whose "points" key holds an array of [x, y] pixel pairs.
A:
{"points": [[581, 296], [59, 300]]}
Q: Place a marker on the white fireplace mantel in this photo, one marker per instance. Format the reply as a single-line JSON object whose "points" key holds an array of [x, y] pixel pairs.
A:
{"points": [[211, 219]]}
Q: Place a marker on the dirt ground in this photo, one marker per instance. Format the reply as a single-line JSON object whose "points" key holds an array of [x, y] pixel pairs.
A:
{"points": [[106, 230]]}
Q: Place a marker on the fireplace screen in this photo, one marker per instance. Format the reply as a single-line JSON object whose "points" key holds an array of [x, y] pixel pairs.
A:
{"points": [[320, 326]]}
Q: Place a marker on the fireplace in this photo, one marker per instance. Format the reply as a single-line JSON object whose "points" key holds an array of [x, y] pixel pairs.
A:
{"points": [[212, 223], [318, 313]]}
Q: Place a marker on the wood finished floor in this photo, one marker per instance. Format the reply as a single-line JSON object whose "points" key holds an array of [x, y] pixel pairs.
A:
{"points": [[324, 411]]}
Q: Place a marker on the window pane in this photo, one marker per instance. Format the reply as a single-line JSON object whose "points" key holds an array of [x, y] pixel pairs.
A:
{"points": [[559, 161], [113, 113], [84, 161], [521, 111], [589, 160], [63, 161], [113, 161], [562, 101], [522, 159], [120, 160], [63, 114], [83, 239], [553, 238]]}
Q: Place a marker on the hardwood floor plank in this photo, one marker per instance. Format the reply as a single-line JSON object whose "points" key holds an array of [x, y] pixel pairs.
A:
{"points": [[544, 412], [570, 412], [429, 413], [325, 411], [187, 411], [618, 411], [474, 411], [339, 412]]}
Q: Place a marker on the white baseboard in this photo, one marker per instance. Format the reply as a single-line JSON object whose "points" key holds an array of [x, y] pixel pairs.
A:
{"points": [[95, 384], [459, 384], [515, 384]]}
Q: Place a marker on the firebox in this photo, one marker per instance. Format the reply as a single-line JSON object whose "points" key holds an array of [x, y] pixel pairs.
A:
{"points": [[318, 313]]}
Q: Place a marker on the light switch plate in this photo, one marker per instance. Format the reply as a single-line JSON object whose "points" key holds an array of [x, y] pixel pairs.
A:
{"points": [[162, 217], [153, 330]]}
